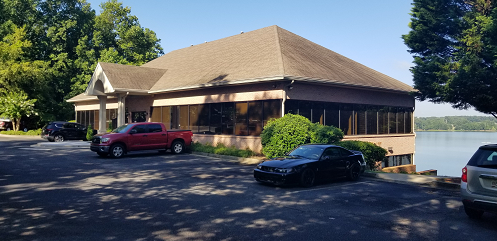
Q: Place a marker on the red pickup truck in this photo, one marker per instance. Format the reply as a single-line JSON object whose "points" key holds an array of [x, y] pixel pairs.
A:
{"points": [[140, 136]]}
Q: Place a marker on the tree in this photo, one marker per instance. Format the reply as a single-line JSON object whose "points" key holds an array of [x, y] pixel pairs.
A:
{"points": [[454, 44], [50, 48], [15, 105]]}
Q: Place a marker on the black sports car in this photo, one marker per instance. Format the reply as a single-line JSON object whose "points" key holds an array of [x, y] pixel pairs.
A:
{"points": [[307, 163]]}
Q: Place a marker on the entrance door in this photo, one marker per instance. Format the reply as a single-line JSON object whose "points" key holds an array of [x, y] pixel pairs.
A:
{"points": [[140, 116]]}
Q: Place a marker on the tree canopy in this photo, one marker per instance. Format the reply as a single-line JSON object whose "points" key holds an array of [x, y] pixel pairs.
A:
{"points": [[50, 48], [454, 44]]}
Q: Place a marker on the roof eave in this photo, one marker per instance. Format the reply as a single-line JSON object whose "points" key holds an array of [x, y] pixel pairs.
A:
{"points": [[277, 78], [226, 83]]}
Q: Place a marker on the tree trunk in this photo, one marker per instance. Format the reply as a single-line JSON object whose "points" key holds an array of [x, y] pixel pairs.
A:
{"points": [[16, 124]]}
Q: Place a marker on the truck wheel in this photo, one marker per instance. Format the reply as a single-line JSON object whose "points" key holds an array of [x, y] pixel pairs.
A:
{"points": [[177, 147], [117, 150]]}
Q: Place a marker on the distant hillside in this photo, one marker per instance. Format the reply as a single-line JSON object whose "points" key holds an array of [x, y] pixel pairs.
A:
{"points": [[455, 123]]}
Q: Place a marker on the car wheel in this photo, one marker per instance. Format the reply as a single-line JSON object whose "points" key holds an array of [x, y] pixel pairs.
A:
{"points": [[102, 154], [307, 178], [177, 147], [58, 138], [473, 213], [354, 172], [117, 151]]}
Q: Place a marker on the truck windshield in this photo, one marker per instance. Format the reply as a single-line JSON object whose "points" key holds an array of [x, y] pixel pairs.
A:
{"points": [[122, 129]]}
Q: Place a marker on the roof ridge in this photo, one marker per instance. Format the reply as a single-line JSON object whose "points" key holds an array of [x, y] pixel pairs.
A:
{"points": [[278, 51]]}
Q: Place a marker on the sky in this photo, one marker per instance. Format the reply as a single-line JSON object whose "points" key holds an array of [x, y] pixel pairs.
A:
{"points": [[368, 32]]}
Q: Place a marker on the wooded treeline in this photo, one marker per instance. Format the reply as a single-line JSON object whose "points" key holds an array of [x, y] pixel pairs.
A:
{"points": [[50, 48], [455, 123]]}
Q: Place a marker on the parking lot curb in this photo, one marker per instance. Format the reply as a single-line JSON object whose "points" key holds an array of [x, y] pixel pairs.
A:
{"points": [[441, 182], [63, 145]]}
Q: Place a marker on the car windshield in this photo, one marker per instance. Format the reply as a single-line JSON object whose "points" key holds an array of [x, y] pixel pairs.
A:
{"points": [[122, 129], [310, 152]]}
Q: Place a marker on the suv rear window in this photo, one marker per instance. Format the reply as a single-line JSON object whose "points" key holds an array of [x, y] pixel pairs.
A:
{"points": [[484, 157]]}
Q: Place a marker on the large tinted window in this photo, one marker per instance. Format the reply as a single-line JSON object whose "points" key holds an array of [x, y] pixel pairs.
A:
{"points": [[332, 114], [194, 118], [228, 118], [372, 120], [272, 110], [318, 113], [255, 118], [241, 114], [305, 109], [216, 118], [183, 118], [292, 107], [166, 116], [203, 118], [156, 114], [346, 119], [392, 120], [383, 120], [360, 120]]}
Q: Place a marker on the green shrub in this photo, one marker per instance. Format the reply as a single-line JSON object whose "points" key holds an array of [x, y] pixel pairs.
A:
{"points": [[284, 134], [372, 153], [109, 129], [22, 133], [89, 133], [325, 134]]}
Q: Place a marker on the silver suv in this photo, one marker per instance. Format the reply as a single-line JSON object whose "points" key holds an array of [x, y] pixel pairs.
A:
{"points": [[479, 182]]}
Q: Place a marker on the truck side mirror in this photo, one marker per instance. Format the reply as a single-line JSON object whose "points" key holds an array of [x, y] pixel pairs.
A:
{"points": [[133, 131]]}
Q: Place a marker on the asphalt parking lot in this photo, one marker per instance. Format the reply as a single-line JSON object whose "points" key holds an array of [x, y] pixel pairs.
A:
{"points": [[73, 194]]}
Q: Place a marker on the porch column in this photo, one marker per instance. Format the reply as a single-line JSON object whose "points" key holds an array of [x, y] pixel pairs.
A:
{"points": [[102, 117], [121, 109]]}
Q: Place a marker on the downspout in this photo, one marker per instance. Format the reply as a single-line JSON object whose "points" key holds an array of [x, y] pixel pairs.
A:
{"points": [[284, 98]]}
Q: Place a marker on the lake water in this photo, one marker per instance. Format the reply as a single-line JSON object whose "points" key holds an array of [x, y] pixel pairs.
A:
{"points": [[448, 152]]}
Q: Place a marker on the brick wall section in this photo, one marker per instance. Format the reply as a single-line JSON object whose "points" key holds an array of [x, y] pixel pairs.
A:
{"points": [[240, 142], [400, 144]]}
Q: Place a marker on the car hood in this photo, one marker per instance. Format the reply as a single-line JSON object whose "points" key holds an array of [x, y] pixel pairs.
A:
{"points": [[109, 134], [287, 162]]}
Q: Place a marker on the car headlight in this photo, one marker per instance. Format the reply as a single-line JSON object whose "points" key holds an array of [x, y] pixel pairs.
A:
{"points": [[104, 140], [259, 166], [283, 170]]}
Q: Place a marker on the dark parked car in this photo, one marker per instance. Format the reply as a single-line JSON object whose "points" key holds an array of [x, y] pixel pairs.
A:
{"points": [[5, 124], [307, 163], [479, 182], [61, 130]]}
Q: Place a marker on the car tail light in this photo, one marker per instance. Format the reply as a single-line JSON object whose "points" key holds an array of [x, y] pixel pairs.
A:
{"points": [[464, 176]]}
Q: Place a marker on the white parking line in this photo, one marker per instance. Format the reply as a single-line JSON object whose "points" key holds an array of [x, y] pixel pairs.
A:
{"points": [[34, 149], [409, 206], [314, 189]]}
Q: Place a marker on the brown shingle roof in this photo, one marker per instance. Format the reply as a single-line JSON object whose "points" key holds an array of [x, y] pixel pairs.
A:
{"points": [[131, 77], [267, 53]]}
